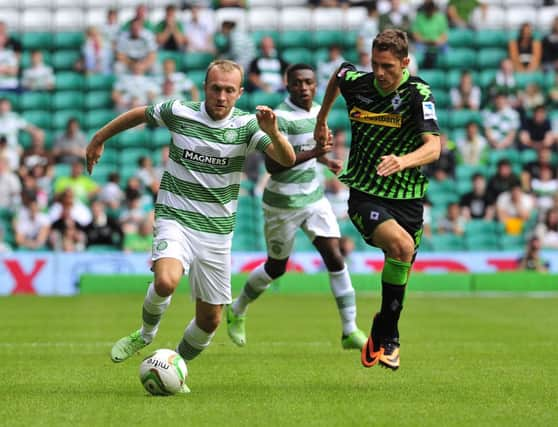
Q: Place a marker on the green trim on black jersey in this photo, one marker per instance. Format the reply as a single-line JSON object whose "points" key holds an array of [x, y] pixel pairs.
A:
{"points": [[403, 80]]}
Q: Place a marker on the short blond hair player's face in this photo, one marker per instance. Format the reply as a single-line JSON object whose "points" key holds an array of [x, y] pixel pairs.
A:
{"points": [[223, 87]]}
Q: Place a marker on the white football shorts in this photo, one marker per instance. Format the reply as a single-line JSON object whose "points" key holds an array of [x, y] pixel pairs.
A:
{"points": [[206, 259], [316, 220]]}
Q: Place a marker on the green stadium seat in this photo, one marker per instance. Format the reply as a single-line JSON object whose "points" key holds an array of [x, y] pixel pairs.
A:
{"points": [[65, 59], [35, 100], [40, 118], [461, 37], [67, 100], [510, 154], [68, 40], [326, 38], [137, 138], [98, 118], [350, 39], [442, 98], [482, 242], [98, 99], [463, 187], [527, 156], [320, 55], [524, 79], [475, 227], [442, 199], [458, 58], [491, 39], [549, 80], [460, 118], [486, 78], [302, 242], [339, 120], [68, 80], [61, 169], [298, 54], [258, 35], [111, 156], [490, 58], [196, 60], [102, 171], [13, 97], [60, 118], [511, 243], [244, 102], [465, 172], [264, 98], [294, 39], [160, 138], [340, 104], [443, 118], [37, 40], [437, 79], [446, 242], [162, 55], [25, 61], [99, 82], [454, 76]]}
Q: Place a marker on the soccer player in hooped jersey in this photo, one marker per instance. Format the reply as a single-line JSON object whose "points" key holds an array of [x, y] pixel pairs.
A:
{"points": [[293, 198], [394, 132], [196, 204]]}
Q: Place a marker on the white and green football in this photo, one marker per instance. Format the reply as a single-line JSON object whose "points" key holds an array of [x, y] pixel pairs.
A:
{"points": [[163, 373]]}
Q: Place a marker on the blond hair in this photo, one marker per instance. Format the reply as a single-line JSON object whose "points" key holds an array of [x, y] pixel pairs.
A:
{"points": [[227, 66]]}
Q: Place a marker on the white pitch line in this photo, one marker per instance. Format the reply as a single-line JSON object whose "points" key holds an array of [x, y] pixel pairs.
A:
{"points": [[160, 345]]}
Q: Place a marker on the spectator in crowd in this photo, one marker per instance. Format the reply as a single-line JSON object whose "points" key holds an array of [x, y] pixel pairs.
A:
{"points": [[111, 28], [466, 96], [182, 84], [505, 83], [545, 188], [69, 147], [11, 43], [396, 17], [513, 208], [9, 64], [525, 51], [83, 187], [4, 245], [10, 186], [30, 186], [168, 91], [141, 16], [531, 260], [134, 90], [163, 162], [65, 201], [12, 154], [552, 93], [550, 48], [235, 44], [368, 29], [266, 71], [444, 167], [147, 175], [477, 204], [11, 123], [66, 234], [427, 218], [97, 53], [503, 180], [472, 147], [325, 69], [532, 170], [460, 11], [536, 131], [200, 30], [229, 3], [136, 48], [501, 123], [530, 98], [170, 32], [39, 76], [142, 239], [133, 213], [364, 62], [430, 32], [452, 222], [102, 230], [547, 230], [111, 193], [31, 226]]}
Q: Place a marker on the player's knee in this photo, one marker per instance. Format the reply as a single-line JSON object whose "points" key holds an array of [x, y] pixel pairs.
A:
{"points": [[209, 322], [165, 283], [401, 248]]}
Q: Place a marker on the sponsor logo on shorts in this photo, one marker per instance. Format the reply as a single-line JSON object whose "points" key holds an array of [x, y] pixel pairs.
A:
{"points": [[374, 216]]}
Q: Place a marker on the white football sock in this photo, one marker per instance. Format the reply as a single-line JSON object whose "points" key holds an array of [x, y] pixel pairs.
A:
{"points": [[194, 341], [153, 308], [258, 281], [342, 289]]}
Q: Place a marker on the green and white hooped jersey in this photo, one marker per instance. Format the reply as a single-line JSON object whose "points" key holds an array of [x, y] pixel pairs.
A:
{"points": [[200, 184], [298, 186]]}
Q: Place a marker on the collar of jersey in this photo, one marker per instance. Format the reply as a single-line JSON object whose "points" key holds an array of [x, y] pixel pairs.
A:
{"points": [[296, 107], [217, 122], [403, 80]]}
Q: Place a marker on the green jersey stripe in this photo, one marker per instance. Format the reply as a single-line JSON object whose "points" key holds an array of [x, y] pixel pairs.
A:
{"points": [[299, 176], [291, 202], [199, 192], [196, 221]]}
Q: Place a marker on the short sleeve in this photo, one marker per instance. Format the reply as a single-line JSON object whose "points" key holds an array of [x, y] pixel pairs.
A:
{"points": [[259, 140], [159, 114], [425, 110]]}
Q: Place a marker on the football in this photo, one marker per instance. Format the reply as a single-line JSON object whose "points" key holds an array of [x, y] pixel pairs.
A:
{"points": [[163, 372]]}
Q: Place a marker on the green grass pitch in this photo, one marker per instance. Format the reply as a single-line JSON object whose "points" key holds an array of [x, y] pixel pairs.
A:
{"points": [[465, 361]]}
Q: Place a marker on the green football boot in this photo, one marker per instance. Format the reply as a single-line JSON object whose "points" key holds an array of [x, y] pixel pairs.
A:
{"points": [[236, 327], [127, 346], [355, 340]]}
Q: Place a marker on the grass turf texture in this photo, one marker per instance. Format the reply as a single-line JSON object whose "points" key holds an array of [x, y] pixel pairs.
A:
{"points": [[465, 360]]}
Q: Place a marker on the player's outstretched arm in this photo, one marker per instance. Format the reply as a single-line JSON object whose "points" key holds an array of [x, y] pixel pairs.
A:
{"points": [[280, 149], [427, 153], [127, 120], [321, 131]]}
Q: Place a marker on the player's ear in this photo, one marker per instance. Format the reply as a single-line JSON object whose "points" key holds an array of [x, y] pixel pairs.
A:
{"points": [[240, 92], [405, 62]]}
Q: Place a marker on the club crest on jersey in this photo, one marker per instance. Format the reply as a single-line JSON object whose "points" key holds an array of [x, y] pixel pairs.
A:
{"points": [[391, 120], [230, 135], [428, 111], [396, 102]]}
